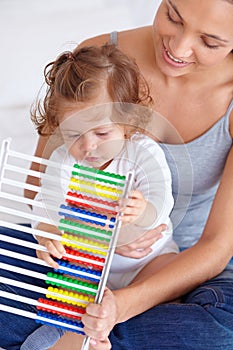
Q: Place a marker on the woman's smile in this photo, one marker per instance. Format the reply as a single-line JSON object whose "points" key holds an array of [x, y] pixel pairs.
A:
{"points": [[173, 61]]}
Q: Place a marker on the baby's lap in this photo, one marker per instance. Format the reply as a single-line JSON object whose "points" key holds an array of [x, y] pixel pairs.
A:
{"points": [[223, 283], [209, 307], [22, 250], [217, 292]]}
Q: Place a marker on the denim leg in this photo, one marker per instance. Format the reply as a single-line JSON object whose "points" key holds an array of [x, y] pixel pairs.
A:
{"points": [[15, 329], [202, 321]]}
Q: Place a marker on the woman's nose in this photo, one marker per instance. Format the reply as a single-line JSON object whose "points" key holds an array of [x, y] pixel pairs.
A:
{"points": [[181, 46]]}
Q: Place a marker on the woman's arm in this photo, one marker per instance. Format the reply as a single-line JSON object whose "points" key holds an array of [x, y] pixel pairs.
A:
{"points": [[206, 259], [35, 166], [45, 146]]}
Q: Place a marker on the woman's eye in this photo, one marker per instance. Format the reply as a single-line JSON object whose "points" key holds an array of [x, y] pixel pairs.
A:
{"points": [[171, 18], [210, 46]]}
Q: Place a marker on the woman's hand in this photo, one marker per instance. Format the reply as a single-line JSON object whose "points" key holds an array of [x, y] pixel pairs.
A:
{"points": [[99, 320], [100, 345], [54, 247], [142, 246]]}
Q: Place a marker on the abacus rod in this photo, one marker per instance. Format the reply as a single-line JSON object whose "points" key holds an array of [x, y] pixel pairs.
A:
{"points": [[23, 257], [48, 207], [37, 218], [85, 188], [30, 301], [37, 160], [23, 243], [51, 236], [40, 290], [29, 230], [86, 343], [39, 174], [37, 261], [33, 202], [28, 314], [26, 171], [113, 242], [36, 246], [3, 157], [20, 199], [43, 277], [99, 296], [63, 166]]}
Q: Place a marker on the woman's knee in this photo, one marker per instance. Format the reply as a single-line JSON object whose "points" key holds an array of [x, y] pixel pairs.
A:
{"points": [[214, 294]]}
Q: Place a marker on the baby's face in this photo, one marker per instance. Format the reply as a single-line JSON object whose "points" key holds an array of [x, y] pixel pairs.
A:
{"points": [[91, 136]]}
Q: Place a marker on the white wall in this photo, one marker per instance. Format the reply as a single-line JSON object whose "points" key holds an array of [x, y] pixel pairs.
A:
{"points": [[34, 32]]}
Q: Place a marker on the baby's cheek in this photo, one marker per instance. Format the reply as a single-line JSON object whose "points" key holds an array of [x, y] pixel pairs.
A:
{"points": [[75, 151]]}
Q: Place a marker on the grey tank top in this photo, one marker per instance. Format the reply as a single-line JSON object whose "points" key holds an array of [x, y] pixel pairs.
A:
{"points": [[196, 168]]}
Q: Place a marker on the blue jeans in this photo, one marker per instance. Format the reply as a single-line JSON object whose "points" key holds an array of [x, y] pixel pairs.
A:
{"points": [[202, 321], [14, 330]]}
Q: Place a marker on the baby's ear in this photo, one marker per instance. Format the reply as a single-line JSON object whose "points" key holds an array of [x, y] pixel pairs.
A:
{"points": [[130, 129]]}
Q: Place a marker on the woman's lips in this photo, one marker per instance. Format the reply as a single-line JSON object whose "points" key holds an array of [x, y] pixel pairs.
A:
{"points": [[173, 61]]}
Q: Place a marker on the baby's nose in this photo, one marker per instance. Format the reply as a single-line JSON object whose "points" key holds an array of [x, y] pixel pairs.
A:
{"points": [[89, 143]]}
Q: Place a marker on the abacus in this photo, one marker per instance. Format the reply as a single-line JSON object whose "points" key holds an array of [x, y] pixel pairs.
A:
{"points": [[89, 225]]}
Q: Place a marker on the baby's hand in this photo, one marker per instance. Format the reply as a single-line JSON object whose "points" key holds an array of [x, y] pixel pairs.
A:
{"points": [[54, 247], [134, 207]]}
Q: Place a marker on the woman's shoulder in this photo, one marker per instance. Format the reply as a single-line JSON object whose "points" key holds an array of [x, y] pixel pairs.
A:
{"points": [[230, 114], [141, 142], [127, 40]]}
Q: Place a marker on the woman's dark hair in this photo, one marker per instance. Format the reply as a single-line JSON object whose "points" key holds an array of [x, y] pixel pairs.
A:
{"points": [[78, 76], [230, 2]]}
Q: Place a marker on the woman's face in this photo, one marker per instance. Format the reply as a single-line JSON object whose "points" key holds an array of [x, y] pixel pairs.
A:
{"points": [[192, 35]]}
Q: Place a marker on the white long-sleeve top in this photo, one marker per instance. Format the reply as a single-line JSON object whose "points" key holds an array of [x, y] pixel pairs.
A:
{"points": [[151, 177]]}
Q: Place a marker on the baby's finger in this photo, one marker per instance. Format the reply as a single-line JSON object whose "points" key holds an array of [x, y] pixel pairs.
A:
{"points": [[47, 258], [136, 195], [60, 248], [51, 246]]}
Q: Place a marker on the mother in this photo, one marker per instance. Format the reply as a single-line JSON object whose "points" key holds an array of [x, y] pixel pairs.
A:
{"points": [[186, 56]]}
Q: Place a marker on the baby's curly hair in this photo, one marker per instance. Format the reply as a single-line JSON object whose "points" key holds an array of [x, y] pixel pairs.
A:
{"points": [[78, 76]]}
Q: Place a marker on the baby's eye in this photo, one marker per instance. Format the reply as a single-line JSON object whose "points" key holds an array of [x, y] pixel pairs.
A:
{"points": [[70, 137], [102, 133], [74, 136]]}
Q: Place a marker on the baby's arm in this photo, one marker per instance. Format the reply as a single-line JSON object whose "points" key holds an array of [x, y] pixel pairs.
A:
{"points": [[56, 182], [54, 247], [151, 203]]}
